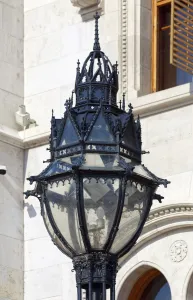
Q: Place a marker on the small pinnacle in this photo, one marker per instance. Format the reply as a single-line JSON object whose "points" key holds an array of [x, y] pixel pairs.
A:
{"points": [[78, 65], [72, 97], [123, 101], [96, 46], [130, 107]]}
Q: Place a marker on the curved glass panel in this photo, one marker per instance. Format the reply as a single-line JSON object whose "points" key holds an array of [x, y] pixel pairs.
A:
{"points": [[69, 135], [100, 131], [72, 159], [105, 161], [100, 203], [63, 204], [52, 234], [158, 289], [135, 207]]}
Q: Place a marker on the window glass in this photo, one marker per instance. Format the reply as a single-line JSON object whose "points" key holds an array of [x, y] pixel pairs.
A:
{"points": [[158, 289]]}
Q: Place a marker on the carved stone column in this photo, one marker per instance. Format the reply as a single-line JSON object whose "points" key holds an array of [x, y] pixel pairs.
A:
{"points": [[88, 7]]}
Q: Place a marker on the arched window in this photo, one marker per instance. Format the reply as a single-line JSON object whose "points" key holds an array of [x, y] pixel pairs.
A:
{"points": [[151, 286]]}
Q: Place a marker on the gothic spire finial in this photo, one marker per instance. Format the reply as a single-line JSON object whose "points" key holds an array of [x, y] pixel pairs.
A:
{"points": [[96, 39]]}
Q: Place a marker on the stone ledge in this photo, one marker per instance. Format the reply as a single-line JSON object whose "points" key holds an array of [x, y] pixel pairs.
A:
{"points": [[10, 136], [163, 101], [89, 7]]}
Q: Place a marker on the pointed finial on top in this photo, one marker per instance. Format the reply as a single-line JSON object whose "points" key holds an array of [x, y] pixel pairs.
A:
{"points": [[96, 39]]}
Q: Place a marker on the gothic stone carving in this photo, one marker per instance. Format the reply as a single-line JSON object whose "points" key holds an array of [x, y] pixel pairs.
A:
{"points": [[178, 251], [88, 7]]}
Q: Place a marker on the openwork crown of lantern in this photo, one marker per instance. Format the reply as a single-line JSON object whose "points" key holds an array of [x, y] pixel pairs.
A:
{"points": [[95, 194]]}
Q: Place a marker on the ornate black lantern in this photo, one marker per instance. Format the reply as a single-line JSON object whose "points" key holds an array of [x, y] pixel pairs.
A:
{"points": [[95, 195]]}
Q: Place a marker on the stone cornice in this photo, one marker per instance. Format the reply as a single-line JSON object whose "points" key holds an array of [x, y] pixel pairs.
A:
{"points": [[144, 106], [168, 210], [10, 136], [162, 101]]}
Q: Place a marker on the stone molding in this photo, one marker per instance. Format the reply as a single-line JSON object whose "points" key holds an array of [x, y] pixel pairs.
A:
{"points": [[89, 7], [124, 46], [168, 210]]}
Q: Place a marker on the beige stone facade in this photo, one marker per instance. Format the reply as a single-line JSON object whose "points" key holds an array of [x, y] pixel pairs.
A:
{"points": [[41, 41]]}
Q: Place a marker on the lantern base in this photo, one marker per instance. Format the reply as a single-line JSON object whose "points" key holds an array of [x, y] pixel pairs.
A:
{"points": [[95, 273]]}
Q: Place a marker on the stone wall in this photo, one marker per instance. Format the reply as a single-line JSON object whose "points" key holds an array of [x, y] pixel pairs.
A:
{"points": [[11, 224], [11, 60], [11, 185], [55, 37]]}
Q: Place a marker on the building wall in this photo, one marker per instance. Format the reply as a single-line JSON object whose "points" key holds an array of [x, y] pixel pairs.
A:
{"points": [[168, 137], [52, 45], [11, 60], [55, 37], [11, 185], [11, 224]]}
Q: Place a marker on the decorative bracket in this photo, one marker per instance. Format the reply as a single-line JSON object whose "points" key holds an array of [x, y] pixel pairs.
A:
{"points": [[89, 7]]}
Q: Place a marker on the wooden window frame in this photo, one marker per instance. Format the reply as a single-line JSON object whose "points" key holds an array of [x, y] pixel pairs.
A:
{"points": [[181, 56], [156, 4], [141, 284]]}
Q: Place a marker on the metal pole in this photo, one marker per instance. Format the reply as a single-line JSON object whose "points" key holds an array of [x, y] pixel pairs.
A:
{"points": [[104, 291], [113, 290], [79, 292]]}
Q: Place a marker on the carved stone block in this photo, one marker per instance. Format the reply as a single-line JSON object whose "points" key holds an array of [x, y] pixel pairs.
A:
{"points": [[85, 3], [88, 7]]}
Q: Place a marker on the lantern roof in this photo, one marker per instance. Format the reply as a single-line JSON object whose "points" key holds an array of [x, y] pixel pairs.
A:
{"points": [[97, 80]]}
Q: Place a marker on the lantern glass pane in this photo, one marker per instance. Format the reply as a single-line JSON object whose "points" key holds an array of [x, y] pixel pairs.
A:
{"points": [[134, 210], [100, 131], [69, 135], [104, 161], [52, 234], [63, 204], [101, 198]]}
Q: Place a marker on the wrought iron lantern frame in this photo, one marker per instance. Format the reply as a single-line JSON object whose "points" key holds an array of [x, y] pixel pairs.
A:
{"points": [[98, 127]]}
